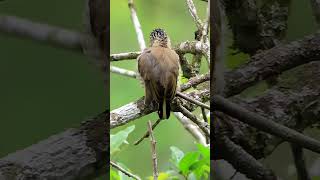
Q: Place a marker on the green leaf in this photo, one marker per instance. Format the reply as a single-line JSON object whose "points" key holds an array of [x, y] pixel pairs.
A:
{"points": [[114, 175], [184, 80], [186, 162], [176, 155], [205, 151], [201, 168], [119, 138]]}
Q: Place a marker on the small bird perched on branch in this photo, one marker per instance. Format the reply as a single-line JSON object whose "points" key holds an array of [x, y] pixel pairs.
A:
{"points": [[158, 66]]}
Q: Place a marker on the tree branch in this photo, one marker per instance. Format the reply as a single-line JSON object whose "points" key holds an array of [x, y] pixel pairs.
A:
{"points": [[299, 162], [191, 128], [137, 109], [136, 25], [242, 161], [193, 11], [52, 35], [147, 134], [75, 41], [124, 56], [264, 124], [77, 153], [295, 104], [123, 72], [153, 150], [201, 124], [179, 94], [116, 166], [272, 62]]}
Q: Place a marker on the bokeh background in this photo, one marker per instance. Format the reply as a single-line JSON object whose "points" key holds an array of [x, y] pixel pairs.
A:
{"points": [[174, 17], [44, 90]]}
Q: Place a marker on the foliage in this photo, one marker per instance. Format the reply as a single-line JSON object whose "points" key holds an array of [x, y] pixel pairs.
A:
{"points": [[191, 165], [119, 138]]}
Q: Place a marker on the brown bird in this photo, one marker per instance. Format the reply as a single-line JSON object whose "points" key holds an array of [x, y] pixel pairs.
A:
{"points": [[158, 66]]}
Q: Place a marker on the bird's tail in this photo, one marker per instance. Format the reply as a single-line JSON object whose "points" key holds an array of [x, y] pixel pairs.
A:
{"points": [[160, 110], [164, 109], [164, 106]]}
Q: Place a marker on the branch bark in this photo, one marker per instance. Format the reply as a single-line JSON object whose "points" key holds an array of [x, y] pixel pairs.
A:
{"points": [[52, 35], [272, 62], [77, 153], [136, 24], [137, 109], [293, 103]]}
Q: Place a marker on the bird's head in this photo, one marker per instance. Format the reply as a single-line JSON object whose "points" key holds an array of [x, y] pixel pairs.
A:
{"points": [[158, 37]]}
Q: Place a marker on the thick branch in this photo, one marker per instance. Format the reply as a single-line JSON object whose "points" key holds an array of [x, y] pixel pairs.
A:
{"points": [[264, 124], [299, 161], [77, 153], [273, 62], [72, 40], [52, 35], [137, 109], [294, 103], [242, 161]]}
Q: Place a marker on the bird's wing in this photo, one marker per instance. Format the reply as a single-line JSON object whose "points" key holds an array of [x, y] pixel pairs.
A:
{"points": [[149, 72], [171, 73]]}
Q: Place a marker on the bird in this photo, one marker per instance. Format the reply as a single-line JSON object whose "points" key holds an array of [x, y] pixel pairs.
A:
{"points": [[158, 67]]}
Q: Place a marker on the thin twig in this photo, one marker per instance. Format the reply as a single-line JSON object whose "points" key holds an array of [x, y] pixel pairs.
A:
{"points": [[153, 150], [191, 128], [264, 124], [202, 125], [233, 175], [203, 111], [137, 25], [193, 12], [146, 135], [179, 94], [124, 56], [116, 166], [203, 28], [206, 24], [123, 72], [194, 81]]}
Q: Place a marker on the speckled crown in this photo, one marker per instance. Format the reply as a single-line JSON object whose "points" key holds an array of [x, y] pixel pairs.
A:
{"points": [[158, 34]]}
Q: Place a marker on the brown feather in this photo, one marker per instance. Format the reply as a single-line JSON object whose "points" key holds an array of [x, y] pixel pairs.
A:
{"points": [[159, 68]]}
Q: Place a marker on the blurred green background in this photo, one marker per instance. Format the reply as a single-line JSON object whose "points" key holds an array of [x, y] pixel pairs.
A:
{"points": [[44, 90], [174, 17]]}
